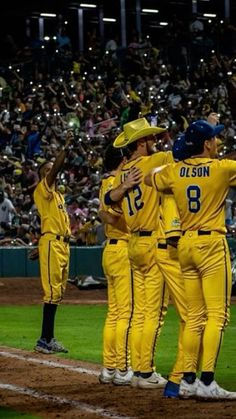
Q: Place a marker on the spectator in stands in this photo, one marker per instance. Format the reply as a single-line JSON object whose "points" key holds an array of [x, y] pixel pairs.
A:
{"points": [[7, 210], [33, 138], [88, 233], [29, 177], [38, 103]]}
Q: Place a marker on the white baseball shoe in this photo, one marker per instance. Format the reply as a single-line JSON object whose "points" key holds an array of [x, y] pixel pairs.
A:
{"points": [[154, 381], [106, 376], [214, 392], [186, 390], [123, 378]]}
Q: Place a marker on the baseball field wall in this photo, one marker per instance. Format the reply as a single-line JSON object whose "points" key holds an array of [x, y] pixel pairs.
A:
{"points": [[86, 260]]}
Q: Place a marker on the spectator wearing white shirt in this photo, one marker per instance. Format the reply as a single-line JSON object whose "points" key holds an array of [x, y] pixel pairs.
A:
{"points": [[7, 210]]}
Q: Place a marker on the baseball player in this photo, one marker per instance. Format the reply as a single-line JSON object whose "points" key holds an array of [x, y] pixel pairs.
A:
{"points": [[116, 266], [169, 232], [53, 247], [141, 212], [200, 185]]}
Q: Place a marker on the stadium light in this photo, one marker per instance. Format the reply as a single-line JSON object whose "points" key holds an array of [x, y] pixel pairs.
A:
{"points": [[91, 6], [109, 19], [48, 15], [209, 15], [163, 23], [150, 11]]}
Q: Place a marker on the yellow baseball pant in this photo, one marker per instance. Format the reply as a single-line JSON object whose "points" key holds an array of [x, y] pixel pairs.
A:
{"points": [[150, 302], [116, 266], [54, 265], [205, 263], [168, 263]]}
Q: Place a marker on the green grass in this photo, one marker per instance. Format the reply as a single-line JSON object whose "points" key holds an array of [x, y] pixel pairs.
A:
{"points": [[80, 330], [12, 414], [78, 327]]}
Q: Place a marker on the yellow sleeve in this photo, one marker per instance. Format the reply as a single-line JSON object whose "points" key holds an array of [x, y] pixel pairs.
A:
{"points": [[171, 217], [107, 185], [161, 179], [231, 164]]}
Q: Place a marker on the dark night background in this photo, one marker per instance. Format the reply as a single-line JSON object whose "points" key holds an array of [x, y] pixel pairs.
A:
{"points": [[13, 18]]}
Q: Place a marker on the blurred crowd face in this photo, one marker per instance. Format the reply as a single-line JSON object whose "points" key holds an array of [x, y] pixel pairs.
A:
{"points": [[34, 127]]}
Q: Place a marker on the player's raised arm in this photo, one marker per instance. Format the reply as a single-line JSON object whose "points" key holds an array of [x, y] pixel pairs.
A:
{"points": [[57, 166], [115, 195]]}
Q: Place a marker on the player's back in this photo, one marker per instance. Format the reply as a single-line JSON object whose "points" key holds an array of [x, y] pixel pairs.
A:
{"points": [[200, 186], [140, 205]]}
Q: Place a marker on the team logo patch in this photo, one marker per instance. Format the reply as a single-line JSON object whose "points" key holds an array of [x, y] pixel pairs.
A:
{"points": [[175, 222]]}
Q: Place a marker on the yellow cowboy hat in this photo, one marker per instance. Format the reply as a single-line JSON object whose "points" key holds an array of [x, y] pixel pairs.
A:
{"points": [[134, 130]]}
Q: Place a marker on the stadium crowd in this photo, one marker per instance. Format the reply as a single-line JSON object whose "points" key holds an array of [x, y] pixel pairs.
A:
{"points": [[47, 87]]}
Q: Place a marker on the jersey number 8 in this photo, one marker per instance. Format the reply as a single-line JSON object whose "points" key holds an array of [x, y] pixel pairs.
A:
{"points": [[193, 195]]}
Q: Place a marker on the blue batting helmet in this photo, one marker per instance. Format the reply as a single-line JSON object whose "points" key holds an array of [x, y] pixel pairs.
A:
{"points": [[180, 149]]}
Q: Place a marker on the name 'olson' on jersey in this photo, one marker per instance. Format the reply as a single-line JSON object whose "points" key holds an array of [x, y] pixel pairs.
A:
{"points": [[201, 171]]}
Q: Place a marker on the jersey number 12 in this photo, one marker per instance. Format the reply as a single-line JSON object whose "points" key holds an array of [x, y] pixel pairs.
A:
{"points": [[134, 200]]}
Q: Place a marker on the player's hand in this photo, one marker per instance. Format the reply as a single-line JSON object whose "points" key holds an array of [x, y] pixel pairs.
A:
{"points": [[134, 177], [213, 118]]}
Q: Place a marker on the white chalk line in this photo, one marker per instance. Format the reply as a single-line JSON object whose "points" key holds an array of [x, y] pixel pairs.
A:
{"points": [[49, 363], [62, 401], [54, 364]]}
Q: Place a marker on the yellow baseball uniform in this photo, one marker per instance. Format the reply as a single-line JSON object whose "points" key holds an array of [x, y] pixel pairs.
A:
{"points": [[54, 247], [168, 263], [116, 266], [200, 187], [140, 207], [88, 232]]}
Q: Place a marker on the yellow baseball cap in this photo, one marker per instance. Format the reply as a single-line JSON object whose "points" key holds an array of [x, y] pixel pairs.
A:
{"points": [[134, 130]]}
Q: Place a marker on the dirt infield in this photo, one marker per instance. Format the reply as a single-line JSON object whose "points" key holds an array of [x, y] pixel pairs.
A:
{"points": [[29, 291], [51, 387]]}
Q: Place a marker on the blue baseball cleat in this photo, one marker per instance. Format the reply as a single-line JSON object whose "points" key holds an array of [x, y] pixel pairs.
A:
{"points": [[171, 390]]}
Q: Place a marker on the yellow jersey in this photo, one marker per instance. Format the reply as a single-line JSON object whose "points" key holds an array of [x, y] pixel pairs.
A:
{"points": [[120, 229], [200, 187], [169, 225], [89, 232], [52, 210], [140, 205]]}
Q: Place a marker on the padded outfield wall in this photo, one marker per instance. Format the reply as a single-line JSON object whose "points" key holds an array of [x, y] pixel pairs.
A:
{"points": [[83, 261]]}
